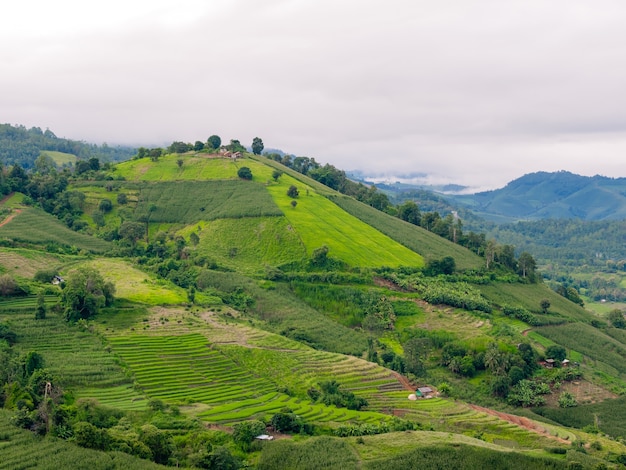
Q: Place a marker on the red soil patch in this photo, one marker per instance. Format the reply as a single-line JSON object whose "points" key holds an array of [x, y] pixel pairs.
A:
{"points": [[10, 217], [521, 422]]}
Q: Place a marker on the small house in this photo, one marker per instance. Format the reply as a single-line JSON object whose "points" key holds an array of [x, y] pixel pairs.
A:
{"points": [[424, 392], [56, 280], [549, 363], [565, 363]]}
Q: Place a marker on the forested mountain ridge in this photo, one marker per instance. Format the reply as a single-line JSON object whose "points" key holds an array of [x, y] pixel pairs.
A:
{"points": [[22, 146], [543, 195]]}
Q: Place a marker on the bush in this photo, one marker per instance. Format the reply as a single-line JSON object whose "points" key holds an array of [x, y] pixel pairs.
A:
{"points": [[244, 173]]}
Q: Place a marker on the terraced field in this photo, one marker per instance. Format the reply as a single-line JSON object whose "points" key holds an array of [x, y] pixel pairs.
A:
{"points": [[35, 226]]}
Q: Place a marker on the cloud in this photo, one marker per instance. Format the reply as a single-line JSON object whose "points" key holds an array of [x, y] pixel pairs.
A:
{"points": [[479, 92]]}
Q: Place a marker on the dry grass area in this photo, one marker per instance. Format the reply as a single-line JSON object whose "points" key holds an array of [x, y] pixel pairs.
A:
{"points": [[583, 391], [25, 263]]}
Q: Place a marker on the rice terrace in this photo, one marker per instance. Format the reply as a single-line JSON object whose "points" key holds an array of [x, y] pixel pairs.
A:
{"points": [[210, 307]]}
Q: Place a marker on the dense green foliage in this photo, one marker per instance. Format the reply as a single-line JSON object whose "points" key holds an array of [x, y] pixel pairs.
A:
{"points": [[23, 146]]}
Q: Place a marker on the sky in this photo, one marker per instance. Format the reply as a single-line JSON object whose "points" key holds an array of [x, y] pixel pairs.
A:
{"points": [[471, 92]]}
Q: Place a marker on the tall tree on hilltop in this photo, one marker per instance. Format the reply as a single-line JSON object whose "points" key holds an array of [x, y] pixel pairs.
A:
{"points": [[257, 146]]}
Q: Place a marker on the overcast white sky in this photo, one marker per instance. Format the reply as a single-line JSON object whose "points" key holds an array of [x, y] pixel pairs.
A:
{"points": [[475, 92]]}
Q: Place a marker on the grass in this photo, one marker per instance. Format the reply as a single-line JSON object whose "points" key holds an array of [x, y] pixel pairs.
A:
{"points": [[248, 244], [417, 239], [319, 222], [198, 167], [60, 158], [34, 226], [25, 263], [136, 286]]}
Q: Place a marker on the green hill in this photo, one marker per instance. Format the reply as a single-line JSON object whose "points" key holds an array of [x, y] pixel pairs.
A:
{"points": [[239, 305]]}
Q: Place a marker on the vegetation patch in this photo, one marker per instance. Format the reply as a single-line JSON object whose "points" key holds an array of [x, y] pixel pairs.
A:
{"points": [[34, 226], [248, 244], [320, 222], [190, 201]]}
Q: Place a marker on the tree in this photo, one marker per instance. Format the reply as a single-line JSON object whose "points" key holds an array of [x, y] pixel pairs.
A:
{"points": [[214, 142], [556, 352], [180, 162], [40, 311], [8, 285], [257, 146], [85, 293], [244, 173], [293, 192], [409, 212], [122, 198], [194, 239], [105, 206], [567, 400], [131, 231], [545, 305], [616, 317], [527, 265], [276, 174], [294, 203], [199, 145], [245, 432]]}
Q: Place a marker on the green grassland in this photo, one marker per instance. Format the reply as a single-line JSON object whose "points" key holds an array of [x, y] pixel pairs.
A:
{"points": [[136, 286], [417, 239], [248, 244], [320, 222], [199, 167], [34, 226], [60, 158]]}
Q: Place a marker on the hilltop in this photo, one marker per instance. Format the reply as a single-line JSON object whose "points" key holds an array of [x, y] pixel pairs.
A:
{"points": [[243, 294]]}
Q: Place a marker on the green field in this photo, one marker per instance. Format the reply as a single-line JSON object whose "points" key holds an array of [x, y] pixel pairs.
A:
{"points": [[136, 286], [60, 158], [188, 202], [419, 240], [198, 167], [25, 263], [248, 244], [319, 222], [34, 226]]}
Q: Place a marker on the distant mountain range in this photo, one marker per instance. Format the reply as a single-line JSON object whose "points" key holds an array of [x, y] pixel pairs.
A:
{"points": [[534, 196], [544, 195]]}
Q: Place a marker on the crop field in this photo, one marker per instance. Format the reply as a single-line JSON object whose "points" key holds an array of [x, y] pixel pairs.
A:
{"points": [[25, 263], [95, 193], [21, 450], [25, 303], [188, 202], [529, 296], [415, 238], [76, 357], [37, 227], [591, 342], [319, 222], [135, 285], [199, 167], [248, 244]]}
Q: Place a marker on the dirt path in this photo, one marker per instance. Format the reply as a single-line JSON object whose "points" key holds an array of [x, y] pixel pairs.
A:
{"points": [[404, 381], [525, 332], [520, 421], [10, 217]]}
